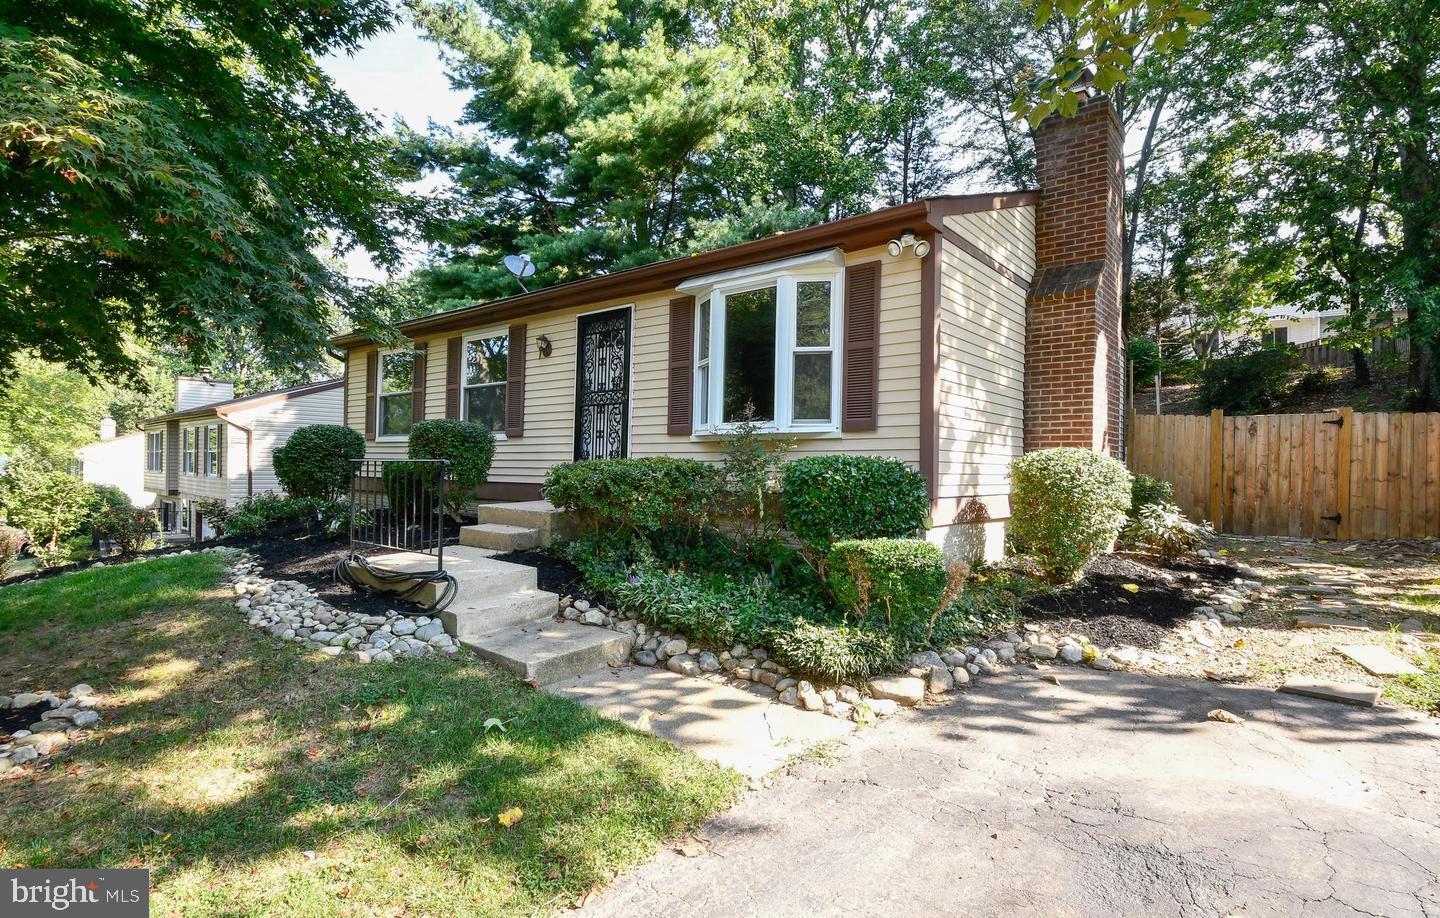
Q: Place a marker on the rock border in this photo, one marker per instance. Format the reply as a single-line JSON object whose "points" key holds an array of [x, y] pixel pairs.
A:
{"points": [[68, 719]]}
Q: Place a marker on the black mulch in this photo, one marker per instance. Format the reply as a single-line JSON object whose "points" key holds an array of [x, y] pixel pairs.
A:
{"points": [[10, 721], [553, 573], [311, 561], [1102, 609]]}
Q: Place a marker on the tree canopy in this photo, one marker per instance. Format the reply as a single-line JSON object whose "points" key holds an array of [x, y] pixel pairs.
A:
{"points": [[171, 172]]}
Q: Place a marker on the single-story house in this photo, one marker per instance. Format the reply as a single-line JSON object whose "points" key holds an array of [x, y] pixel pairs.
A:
{"points": [[115, 459], [215, 445], [953, 332]]}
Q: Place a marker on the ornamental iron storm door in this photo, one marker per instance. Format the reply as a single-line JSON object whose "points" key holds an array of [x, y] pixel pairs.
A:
{"points": [[602, 385]]}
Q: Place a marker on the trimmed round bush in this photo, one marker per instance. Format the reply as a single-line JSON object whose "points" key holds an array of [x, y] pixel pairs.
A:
{"points": [[469, 448], [900, 580], [628, 496], [317, 461], [1067, 505], [830, 498]]}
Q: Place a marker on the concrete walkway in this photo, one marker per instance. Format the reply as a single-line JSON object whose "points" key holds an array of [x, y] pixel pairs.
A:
{"points": [[1108, 794], [743, 730]]}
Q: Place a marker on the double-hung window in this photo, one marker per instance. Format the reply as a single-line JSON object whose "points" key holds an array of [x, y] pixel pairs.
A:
{"points": [[187, 453], [393, 390], [155, 451], [487, 365], [212, 450], [766, 345]]}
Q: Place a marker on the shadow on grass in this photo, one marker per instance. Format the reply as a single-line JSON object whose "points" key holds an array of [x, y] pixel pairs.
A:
{"points": [[226, 757]]}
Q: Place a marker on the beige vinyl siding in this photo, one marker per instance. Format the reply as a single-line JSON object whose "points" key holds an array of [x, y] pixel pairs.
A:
{"points": [[199, 484], [273, 423], [550, 384], [981, 379]]}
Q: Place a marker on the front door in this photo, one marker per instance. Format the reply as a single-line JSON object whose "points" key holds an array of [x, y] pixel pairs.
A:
{"points": [[602, 385]]}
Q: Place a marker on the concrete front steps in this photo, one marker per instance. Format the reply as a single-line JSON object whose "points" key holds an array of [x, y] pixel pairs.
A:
{"points": [[513, 526], [500, 614]]}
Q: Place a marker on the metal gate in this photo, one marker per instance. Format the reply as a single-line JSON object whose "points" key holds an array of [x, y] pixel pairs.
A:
{"points": [[602, 386]]}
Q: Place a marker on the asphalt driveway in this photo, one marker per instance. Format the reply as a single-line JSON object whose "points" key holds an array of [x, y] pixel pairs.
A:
{"points": [[1107, 794]]}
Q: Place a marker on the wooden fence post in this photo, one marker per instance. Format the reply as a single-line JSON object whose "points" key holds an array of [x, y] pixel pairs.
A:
{"points": [[1346, 439], [1217, 464]]}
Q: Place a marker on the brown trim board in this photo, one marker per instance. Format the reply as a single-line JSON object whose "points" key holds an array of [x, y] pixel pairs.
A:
{"points": [[851, 233], [930, 369], [980, 255]]}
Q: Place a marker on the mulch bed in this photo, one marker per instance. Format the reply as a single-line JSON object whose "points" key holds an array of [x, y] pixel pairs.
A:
{"points": [[1102, 609], [553, 573], [311, 561], [11, 720]]}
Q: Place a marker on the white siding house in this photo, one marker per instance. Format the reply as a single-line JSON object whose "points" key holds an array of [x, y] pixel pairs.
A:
{"points": [[223, 450]]}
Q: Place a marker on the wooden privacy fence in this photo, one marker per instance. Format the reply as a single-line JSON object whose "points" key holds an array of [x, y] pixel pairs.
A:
{"points": [[1333, 475]]}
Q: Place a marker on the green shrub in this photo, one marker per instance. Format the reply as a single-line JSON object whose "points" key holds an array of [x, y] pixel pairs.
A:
{"points": [[900, 580], [990, 602], [718, 610], [317, 461], [1143, 355], [842, 653], [469, 448], [130, 528], [1164, 530], [255, 515], [47, 502], [1067, 505], [107, 498], [830, 498], [1145, 491], [12, 541], [628, 497], [1253, 377]]}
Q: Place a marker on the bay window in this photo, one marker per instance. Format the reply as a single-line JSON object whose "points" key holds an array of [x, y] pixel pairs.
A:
{"points": [[766, 343], [487, 361], [393, 392]]}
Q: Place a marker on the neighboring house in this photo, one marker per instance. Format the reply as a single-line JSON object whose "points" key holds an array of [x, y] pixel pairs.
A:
{"points": [[1003, 336], [214, 445], [1284, 325], [116, 460]]}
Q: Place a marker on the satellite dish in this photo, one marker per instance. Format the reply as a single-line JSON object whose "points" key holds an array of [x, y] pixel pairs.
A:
{"points": [[520, 265]]}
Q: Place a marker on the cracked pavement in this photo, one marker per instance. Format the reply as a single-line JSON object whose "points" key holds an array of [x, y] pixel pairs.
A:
{"points": [[1108, 794]]}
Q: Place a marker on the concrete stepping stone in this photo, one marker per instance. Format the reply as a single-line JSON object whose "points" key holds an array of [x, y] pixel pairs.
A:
{"points": [[1377, 660], [1330, 690], [1325, 621]]}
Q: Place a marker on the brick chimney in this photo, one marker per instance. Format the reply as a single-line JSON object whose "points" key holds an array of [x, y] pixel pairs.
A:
{"points": [[1075, 356]]}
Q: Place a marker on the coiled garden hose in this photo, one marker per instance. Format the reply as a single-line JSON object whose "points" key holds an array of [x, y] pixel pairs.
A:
{"points": [[344, 573]]}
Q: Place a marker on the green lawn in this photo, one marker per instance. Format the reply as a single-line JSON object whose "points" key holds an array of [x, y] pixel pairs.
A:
{"points": [[254, 778]]}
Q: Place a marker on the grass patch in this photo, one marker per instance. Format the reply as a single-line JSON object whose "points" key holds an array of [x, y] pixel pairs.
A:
{"points": [[255, 778], [1420, 691]]}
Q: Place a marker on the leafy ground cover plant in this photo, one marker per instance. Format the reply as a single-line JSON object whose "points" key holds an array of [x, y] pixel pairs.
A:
{"points": [[1165, 530]]}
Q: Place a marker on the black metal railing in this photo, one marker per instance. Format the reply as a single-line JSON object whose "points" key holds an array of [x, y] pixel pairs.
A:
{"points": [[399, 504]]}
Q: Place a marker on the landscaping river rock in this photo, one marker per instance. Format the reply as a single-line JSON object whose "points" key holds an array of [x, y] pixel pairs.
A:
{"points": [[50, 723]]}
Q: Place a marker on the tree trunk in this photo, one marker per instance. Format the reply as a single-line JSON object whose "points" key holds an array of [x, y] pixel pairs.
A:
{"points": [[1362, 367], [1142, 167]]}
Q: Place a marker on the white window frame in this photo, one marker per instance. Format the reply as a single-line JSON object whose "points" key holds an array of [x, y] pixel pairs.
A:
{"points": [[784, 276], [155, 451], [187, 450], [211, 457], [465, 402], [381, 395]]}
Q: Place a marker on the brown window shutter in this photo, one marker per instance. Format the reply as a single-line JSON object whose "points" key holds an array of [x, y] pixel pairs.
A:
{"points": [[681, 415], [372, 368], [453, 369], [860, 373], [417, 385], [515, 383]]}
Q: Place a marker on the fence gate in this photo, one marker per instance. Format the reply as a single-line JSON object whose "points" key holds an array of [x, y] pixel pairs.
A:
{"points": [[1340, 474]]}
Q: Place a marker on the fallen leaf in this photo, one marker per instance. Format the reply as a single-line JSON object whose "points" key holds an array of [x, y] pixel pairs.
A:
{"points": [[493, 723], [308, 855], [1130, 587], [1225, 717], [1239, 642], [692, 847], [1052, 678], [642, 723], [1223, 551], [510, 817]]}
